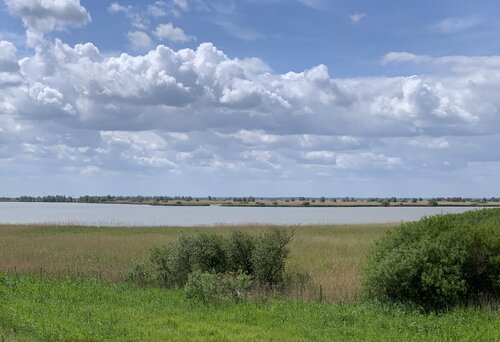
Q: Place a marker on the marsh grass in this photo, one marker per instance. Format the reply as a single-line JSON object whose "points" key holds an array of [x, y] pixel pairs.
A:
{"points": [[330, 254]]}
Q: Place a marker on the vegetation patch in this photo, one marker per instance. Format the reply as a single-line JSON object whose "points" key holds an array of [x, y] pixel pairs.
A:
{"points": [[48, 309], [212, 266], [438, 262]]}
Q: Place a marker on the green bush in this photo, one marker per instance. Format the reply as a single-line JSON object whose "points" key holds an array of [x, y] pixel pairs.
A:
{"points": [[208, 253], [259, 257], [269, 256], [239, 250], [172, 264], [203, 252], [437, 262]]}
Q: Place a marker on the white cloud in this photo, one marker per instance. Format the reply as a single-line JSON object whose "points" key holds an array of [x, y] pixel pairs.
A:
{"points": [[366, 160], [160, 9], [199, 113], [357, 17], [182, 4], [170, 32], [316, 4], [90, 170], [430, 143], [446, 64], [452, 25], [136, 17], [139, 40], [115, 7], [323, 156], [165, 88], [48, 15], [8, 62], [138, 141], [157, 9]]}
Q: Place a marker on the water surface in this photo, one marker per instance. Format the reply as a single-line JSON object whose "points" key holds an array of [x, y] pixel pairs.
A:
{"points": [[145, 215]]}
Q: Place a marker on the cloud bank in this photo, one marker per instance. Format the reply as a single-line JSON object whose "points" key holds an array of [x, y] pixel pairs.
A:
{"points": [[187, 114]]}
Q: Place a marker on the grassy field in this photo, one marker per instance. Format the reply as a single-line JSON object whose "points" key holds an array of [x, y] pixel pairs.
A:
{"points": [[45, 309], [332, 255], [81, 295]]}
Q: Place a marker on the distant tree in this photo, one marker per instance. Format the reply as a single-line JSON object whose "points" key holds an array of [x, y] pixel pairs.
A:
{"points": [[433, 202]]}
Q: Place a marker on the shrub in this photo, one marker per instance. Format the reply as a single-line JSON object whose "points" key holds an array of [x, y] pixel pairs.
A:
{"points": [[239, 250], [269, 256], [195, 257], [433, 202], [208, 253], [172, 264], [436, 262], [159, 259]]}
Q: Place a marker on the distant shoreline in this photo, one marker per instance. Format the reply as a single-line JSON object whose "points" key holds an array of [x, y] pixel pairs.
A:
{"points": [[269, 203]]}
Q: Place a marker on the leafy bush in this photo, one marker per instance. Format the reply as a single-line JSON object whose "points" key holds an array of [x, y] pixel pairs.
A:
{"points": [[208, 253], [172, 264], [239, 248], [269, 256], [437, 262], [203, 252], [213, 266]]}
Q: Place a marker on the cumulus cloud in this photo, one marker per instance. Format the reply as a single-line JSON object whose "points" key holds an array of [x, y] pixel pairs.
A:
{"points": [[139, 40], [8, 62], [201, 113], [48, 15], [170, 88], [170, 32]]}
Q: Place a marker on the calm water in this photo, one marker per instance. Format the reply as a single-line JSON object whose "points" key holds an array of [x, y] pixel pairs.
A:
{"points": [[144, 215]]}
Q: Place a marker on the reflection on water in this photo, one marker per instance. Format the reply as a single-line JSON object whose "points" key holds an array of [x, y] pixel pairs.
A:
{"points": [[145, 215]]}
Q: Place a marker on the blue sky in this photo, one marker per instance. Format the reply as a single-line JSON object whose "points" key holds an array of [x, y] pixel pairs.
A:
{"points": [[253, 97]]}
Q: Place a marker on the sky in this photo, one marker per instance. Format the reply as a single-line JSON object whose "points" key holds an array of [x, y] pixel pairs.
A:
{"points": [[250, 98]]}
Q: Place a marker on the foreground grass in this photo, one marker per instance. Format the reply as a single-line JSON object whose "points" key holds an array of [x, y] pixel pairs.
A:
{"points": [[34, 308], [331, 254]]}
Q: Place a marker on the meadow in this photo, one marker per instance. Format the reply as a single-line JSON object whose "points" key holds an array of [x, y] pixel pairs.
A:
{"points": [[332, 255], [67, 283]]}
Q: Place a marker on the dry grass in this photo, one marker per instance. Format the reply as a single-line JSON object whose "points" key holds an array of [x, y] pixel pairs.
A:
{"points": [[331, 254]]}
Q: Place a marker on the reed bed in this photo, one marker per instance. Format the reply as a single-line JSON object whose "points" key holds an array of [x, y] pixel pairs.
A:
{"points": [[331, 254]]}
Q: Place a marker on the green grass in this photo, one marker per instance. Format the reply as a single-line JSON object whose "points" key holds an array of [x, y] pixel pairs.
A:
{"points": [[34, 308], [56, 307]]}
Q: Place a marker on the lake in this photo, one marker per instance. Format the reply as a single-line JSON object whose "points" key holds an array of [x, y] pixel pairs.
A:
{"points": [[145, 215]]}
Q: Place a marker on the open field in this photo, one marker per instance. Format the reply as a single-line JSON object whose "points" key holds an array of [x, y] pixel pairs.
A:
{"points": [[332, 255], [65, 283], [45, 309]]}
